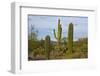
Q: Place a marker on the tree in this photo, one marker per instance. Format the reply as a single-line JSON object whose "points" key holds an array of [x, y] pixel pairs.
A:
{"points": [[32, 39], [64, 40], [32, 35]]}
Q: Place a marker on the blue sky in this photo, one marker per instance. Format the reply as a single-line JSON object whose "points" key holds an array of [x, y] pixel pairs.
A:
{"points": [[46, 24]]}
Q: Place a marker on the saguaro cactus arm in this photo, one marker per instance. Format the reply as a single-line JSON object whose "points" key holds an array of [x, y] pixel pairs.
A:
{"points": [[55, 34]]}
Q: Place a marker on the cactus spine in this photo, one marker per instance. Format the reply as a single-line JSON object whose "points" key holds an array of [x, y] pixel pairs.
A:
{"points": [[47, 46], [59, 33], [70, 38]]}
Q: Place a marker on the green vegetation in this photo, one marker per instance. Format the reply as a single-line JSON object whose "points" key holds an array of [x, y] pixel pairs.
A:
{"points": [[63, 48], [47, 46], [58, 34], [70, 38]]}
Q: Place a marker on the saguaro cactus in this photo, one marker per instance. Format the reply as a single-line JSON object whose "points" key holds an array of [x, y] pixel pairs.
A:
{"points": [[47, 46], [70, 38], [59, 33]]}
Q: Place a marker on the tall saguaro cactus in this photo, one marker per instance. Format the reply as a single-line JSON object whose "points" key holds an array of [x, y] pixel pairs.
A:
{"points": [[47, 46], [59, 33], [70, 38]]}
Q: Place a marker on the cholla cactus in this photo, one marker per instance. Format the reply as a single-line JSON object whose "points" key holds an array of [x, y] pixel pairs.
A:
{"points": [[59, 33], [47, 46], [70, 38]]}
